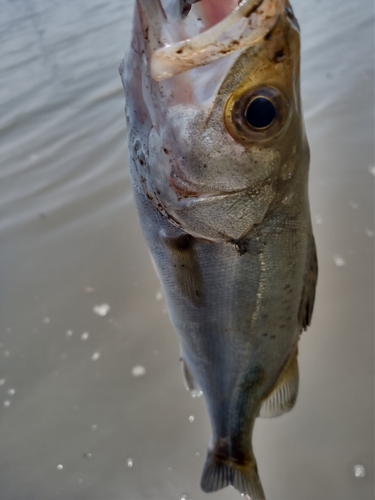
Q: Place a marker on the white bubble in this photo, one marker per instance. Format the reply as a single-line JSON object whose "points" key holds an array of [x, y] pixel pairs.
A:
{"points": [[197, 454], [80, 480], [46, 320], [184, 497], [60, 467], [359, 470], [138, 371], [371, 169], [94, 427], [85, 335], [339, 260], [129, 462], [191, 418], [95, 356], [2, 381], [69, 333], [101, 309], [88, 456], [159, 295], [6, 354], [318, 219], [369, 232], [11, 392], [6, 403], [196, 394]]}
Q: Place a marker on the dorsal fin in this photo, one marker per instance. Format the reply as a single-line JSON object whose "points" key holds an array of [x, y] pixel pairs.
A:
{"points": [[308, 292], [284, 394]]}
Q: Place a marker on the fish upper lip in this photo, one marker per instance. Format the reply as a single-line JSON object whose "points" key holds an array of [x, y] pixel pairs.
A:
{"points": [[179, 57]]}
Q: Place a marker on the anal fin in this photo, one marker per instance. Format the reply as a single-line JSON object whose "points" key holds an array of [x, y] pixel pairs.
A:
{"points": [[284, 395], [190, 383]]}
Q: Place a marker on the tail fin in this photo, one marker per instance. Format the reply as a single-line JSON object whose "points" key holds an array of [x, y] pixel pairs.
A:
{"points": [[220, 472]]}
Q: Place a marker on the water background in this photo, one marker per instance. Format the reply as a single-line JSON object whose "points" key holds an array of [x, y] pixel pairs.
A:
{"points": [[75, 423]]}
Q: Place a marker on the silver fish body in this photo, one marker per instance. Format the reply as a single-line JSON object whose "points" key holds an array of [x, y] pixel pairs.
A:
{"points": [[224, 209]]}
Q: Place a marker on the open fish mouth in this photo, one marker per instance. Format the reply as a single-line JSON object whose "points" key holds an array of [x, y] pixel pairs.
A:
{"points": [[207, 31]]}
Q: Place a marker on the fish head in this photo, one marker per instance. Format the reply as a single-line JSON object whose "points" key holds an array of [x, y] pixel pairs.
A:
{"points": [[225, 135]]}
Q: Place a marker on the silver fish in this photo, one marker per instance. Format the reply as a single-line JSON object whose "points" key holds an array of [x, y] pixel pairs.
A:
{"points": [[219, 163]]}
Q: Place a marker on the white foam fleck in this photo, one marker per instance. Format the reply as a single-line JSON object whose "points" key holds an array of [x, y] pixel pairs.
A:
{"points": [[184, 496], [69, 333], [95, 356], [89, 289], [11, 392], [6, 403], [339, 260], [85, 335], [130, 462], [2, 381], [101, 309], [191, 418], [94, 427], [371, 169], [359, 470], [60, 467], [169, 469], [138, 371], [196, 393], [197, 454], [369, 232], [46, 320], [6, 354], [159, 295], [354, 204], [318, 219]]}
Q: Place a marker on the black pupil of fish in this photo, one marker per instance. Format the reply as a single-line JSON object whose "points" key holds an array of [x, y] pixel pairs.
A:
{"points": [[260, 113]]}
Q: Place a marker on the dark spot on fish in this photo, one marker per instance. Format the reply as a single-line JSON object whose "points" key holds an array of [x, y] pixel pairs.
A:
{"points": [[180, 51], [279, 56], [264, 334], [281, 327], [265, 316], [166, 151], [287, 286], [241, 246], [204, 165], [141, 161], [289, 318], [149, 197], [285, 301], [272, 336]]}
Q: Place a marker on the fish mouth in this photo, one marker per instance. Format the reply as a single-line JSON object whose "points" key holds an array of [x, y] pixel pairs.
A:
{"points": [[210, 31]]}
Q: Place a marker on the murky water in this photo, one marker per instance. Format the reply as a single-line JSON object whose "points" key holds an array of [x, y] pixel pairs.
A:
{"points": [[92, 404]]}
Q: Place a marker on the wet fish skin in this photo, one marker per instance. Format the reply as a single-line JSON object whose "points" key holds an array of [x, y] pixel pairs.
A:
{"points": [[230, 232]]}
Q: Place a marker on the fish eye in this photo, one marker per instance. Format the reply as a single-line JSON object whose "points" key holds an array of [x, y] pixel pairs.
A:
{"points": [[260, 113], [256, 115]]}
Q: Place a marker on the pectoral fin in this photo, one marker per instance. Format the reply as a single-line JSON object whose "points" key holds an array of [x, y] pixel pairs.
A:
{"points": [[284, 395]]}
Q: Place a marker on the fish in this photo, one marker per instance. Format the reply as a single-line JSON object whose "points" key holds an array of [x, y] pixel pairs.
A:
{"points": [[219, 162]]}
